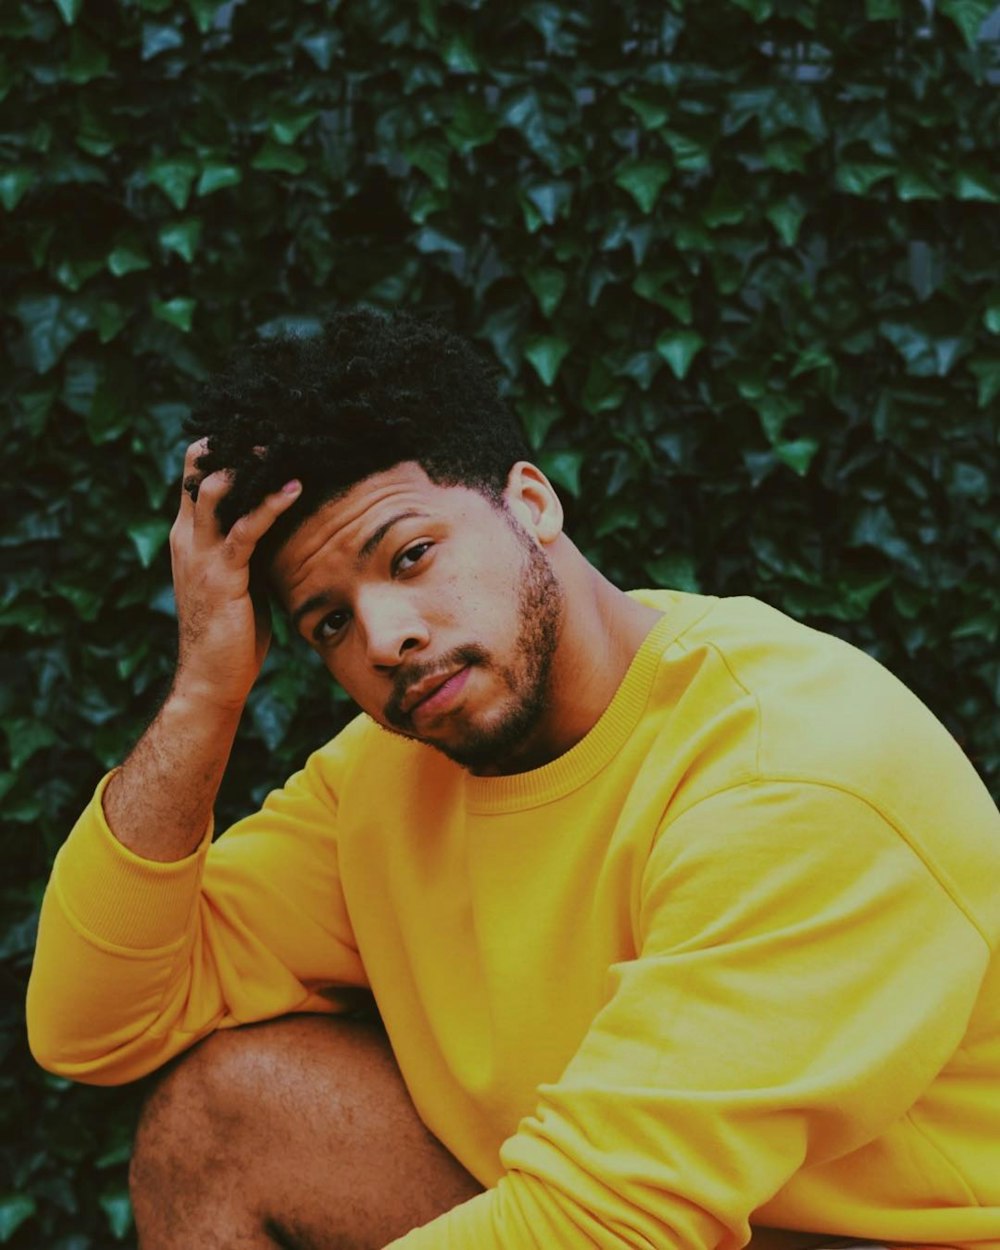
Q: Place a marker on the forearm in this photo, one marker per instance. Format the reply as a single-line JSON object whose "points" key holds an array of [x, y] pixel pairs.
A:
{"points": [[160, 801]]}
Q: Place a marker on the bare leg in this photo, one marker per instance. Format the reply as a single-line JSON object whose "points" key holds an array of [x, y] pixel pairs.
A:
{"points": [[295, 1133]]}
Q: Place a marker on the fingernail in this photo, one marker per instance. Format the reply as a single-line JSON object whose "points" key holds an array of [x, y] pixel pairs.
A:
{"points": [[292, 488]]}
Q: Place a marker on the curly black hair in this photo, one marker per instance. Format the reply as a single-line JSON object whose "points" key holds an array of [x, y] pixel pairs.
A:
{"points": [[370, 391]]}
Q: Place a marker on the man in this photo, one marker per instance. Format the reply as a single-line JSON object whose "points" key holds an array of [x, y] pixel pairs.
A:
{"points": [[680, 918]]}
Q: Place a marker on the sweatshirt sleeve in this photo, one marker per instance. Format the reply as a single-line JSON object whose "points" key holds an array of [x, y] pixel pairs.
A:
{"points": [[800, 978], [137, 960]]}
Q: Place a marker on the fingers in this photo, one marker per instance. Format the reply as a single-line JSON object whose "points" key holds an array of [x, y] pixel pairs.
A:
{"points": [[191, 478], [200, 496], [250, 529]]}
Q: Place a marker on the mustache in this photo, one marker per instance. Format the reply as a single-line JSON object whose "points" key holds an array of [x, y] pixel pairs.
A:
{"points": [[460, 657]]}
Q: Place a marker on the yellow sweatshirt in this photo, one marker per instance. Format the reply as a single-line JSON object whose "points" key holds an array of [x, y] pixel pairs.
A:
{"points": [[731, 958]]}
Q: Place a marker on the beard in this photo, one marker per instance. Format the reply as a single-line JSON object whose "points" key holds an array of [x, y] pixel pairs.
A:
{"points": [[499, 744]]}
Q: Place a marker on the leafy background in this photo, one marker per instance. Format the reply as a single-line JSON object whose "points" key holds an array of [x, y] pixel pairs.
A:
{"points": [[737, 261]]}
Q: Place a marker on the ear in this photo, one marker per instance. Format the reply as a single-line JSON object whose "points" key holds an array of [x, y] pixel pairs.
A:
{"points": [[532, 499]]}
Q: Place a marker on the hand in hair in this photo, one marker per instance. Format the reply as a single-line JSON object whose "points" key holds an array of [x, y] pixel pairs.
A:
{"points": [[223, 633]]}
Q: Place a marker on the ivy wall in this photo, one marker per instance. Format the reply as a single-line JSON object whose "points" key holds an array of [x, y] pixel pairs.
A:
{"points": [[736, 258]]}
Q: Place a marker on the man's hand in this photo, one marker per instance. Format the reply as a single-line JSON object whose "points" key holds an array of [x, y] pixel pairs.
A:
{"points": [[160, 801], [224, 635]]}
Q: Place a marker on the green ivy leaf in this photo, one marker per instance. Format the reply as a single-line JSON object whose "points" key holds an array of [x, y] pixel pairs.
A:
{"points": [[24, 738], [548, 285], [927, 354], [985, 625], [616, 517], [788, 152], [36, 406], [428, 240], [537, 418], [643, 180], [674, 571], [691, 154], [724, 208], [563, 468], [174, 176], [159, 37], [50, 323], [273, 156], [642, 368], [431, 155], [14, 184], [69, 10], [81, 378], [426, 200], [652, 109], [271, 717], [660, 286], [16, 1208], [428, 14], [547, 201], [287, 127], [883, 10], [858, 177], [987, 373], [972, 181], [204, 12], [111, 318], [459, 55], [321, 47], [181, 237], [602, 391], [127, 257], [178, 311], [472, 125], [215, 175], [73, 273], [679, 348], [798, 454], [107, 410], [787, 216], [968, 16], [118, 1209], [502, 330], [148, 538], [913, 183], [546, 353], [774, 410], [87, 59], [759, 10]]}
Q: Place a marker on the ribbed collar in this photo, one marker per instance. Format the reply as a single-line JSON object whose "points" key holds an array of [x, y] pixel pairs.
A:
{"points": [[493, 795]]}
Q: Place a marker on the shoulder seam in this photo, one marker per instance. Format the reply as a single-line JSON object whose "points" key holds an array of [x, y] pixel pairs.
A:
{"points": [[933, 872], [750, 694]]}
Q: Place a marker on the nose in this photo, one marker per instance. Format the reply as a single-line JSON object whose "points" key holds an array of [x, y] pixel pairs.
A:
{"points": [[392, 628]]}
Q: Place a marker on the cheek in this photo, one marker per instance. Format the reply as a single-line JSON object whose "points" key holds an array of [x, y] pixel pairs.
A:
{"points": [[480, 599], [348, 673]]}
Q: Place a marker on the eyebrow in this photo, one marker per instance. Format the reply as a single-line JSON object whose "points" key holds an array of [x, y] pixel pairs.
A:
{"points": [[365, 553], [368, 547]]}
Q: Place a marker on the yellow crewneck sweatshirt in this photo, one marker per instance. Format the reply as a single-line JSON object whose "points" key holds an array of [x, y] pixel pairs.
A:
{"points": [[730, 958]]}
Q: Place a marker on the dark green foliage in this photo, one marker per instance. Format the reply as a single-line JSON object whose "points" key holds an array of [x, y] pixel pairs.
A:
{"points": [[738, 261]]}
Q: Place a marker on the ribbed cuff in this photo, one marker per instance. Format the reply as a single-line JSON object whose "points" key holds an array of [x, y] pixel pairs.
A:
{"points": [[113, 897]]}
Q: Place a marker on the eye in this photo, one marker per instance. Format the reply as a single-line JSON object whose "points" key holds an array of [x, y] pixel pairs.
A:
{"points": [[331, 625], [410, 557]]}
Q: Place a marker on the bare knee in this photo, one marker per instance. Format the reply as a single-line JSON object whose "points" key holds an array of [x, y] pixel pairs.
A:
{"points": [[300, 1124], [190, 1139]]}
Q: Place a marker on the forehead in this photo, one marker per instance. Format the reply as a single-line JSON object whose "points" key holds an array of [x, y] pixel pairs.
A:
{"points": [[341, 528]]}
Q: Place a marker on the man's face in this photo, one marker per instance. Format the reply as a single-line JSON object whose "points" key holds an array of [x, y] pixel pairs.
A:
{"points": [[435, 610]]}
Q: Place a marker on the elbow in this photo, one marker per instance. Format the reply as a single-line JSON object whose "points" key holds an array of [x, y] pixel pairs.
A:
{"points": [[63, 1052]]}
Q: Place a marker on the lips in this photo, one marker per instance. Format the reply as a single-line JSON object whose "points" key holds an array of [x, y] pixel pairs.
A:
{"points": [[424, 689]]}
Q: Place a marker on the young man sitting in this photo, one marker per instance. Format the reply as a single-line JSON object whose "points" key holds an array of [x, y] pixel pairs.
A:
{"points": [[680, 918]]}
